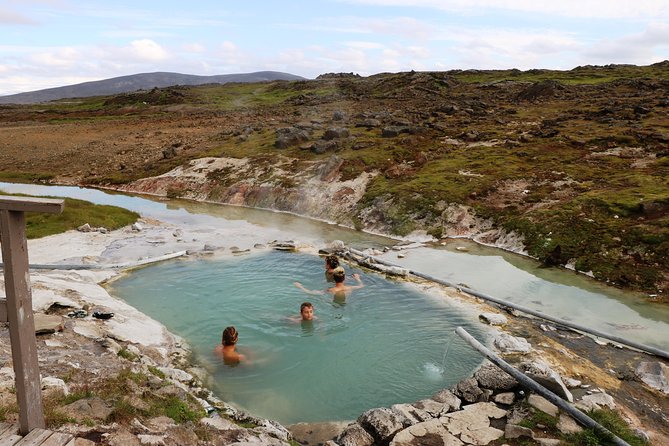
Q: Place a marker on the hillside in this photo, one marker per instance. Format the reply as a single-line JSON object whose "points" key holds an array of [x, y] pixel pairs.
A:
{"points": [[143, 81], [571, 167]]}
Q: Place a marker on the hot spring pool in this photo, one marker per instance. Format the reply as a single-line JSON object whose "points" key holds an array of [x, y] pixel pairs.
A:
{"points": [[386, 344]]}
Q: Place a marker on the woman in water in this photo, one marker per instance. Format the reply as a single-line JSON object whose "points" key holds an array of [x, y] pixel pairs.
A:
{"points": [[227, 350]]}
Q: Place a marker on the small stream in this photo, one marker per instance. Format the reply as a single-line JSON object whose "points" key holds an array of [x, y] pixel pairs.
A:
{"points": [[555, 291]]}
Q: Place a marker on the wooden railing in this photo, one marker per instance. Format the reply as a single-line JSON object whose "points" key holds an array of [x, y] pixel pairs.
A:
{"points": [[18, 306]]}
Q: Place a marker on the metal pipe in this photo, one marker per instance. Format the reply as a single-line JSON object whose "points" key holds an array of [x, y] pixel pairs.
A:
{"points": [[645, 348], [576, 414]]}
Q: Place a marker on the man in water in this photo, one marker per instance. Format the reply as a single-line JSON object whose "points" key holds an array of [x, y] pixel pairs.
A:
{"points": [[227, 350], [340, 290], [331, 267], [306, 313]]}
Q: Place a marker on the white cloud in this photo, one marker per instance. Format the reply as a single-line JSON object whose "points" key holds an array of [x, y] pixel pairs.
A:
{"points": [[640, 48], [599, 9], [147, 49], [194, 48], [65, 57], [364, 45]]}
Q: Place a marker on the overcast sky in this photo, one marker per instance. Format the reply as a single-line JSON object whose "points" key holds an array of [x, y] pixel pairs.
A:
{"points": [[51, 43]]}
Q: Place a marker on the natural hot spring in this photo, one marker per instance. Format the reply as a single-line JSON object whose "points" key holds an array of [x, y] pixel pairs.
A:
{"points": [[385, 345]]}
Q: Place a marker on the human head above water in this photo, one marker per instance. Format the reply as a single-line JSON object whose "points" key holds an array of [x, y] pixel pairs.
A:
{"points": [[339, 276], [307, 311], [332, 261], [230, 336]]}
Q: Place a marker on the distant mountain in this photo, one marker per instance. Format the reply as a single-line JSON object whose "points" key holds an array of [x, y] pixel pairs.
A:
{"points": [[134, 82]]}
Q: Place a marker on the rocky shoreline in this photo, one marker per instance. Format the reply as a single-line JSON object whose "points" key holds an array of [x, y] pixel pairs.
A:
{"points": [[78, 355]]}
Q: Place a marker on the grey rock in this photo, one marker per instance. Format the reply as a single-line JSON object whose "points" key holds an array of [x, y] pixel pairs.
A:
{"points": [[541, 403], [596, 401], [515, 431], [92, 408], [543, 374], [654, 374], [548, 441], [322, 146], [85, 228], [472, 423], [336, 133], [355, 435], [468, 390], [50, 382], [46, 323], [411, 413], [338, 115], [446, 396], [136, 226], [506, 398], [383, 423], [493, 318], [432, 407], [492, 377], [506, 343], [427, 433], [571, 383], [290, 136], [370, 123], [567, 425]]}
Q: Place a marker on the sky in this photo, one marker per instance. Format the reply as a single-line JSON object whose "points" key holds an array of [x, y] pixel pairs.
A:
{"points": [[52, 43]]}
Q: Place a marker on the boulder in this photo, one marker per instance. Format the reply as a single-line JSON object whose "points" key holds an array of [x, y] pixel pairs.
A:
{"points": [[492, 377], [493, 318], [472, 423], [322, 146], [596, 401], [541, 403], [336, 133], [46, 323], [338, 115], [49, 382], [427, 433], [383, 423], [654, 374], [543, 374], [567, 425], [446, 396], [355, 435], [506, 343], [515, 431], [468, 390], [290, 136], [506, 398], [88, 408]]}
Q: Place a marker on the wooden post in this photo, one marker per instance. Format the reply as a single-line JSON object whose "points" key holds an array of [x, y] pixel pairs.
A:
{"points": [[19, 304]]}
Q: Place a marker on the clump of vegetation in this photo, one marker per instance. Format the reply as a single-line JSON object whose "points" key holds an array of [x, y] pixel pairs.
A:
{"points": [[76, 213], [612, 421]]}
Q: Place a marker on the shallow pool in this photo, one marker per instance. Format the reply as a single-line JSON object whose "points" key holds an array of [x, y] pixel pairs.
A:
{"points": [[386, 344]]}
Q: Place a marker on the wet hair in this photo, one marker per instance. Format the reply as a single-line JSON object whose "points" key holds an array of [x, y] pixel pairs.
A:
{"points": [[230, 335], [305, 305], [332, 261], [339, 276]]}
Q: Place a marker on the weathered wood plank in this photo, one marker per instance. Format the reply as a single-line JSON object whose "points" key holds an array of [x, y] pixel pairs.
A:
{"points": [[8, 427], [30, 204], [71, 442], [57, 439], [3, 310], [21, 322], [10, 440], [34, 438]]}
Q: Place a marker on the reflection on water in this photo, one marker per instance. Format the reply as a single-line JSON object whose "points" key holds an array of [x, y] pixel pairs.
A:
{"points": [[554, 291], [558, 292]]}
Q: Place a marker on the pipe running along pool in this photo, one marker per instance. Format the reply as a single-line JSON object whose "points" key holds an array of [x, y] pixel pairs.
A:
{"points": [[638, 346], [576, 414]]}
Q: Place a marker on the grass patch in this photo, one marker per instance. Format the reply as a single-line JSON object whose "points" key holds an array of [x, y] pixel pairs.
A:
{"points": [[155, 371], [176, 409], [612, 421], [76, 213]]}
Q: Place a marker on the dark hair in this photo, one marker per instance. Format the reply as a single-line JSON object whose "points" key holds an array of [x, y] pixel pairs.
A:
{"points": [[332, 260], [305, 305], [339, 276], [230, 336]]}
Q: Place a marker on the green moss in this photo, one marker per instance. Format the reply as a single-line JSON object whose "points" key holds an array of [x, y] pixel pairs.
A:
{"points": [[610, 420], [155, 371], [177, 410]]}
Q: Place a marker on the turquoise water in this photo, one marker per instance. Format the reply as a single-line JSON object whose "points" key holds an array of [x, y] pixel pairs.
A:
{"points": [[385, 345]]}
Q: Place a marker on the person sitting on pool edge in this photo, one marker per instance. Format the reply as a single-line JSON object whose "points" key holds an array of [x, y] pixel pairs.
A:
{"points": [[339, 290], [306, 313], [227, 349], [331, 267]]}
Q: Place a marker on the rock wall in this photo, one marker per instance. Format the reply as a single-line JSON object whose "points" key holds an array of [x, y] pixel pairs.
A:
{"points": [[312, 189]]}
